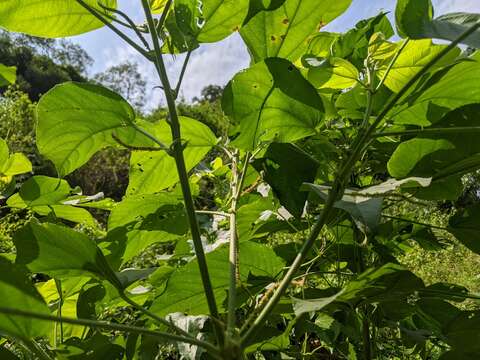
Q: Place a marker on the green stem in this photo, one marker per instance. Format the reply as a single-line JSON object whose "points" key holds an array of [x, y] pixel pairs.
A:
{"points": [[430, 131], [151, 315], [233, 252], [113, 28], [111, 326], [182, 74], [414, 222], [177, 152]]}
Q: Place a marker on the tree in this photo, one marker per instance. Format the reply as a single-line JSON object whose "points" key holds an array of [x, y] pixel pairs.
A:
{"points": [[125, 79]]}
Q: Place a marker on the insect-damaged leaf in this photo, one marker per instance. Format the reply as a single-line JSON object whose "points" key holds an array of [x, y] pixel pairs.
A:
{"points": [[286, 31], [286, 167], [272, 101], [210, 20], [19, 293], [60, 251], [184, 292], [51, 18]]}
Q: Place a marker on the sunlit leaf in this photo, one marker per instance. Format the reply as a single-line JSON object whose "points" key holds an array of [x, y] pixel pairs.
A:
{"points": [[8, 75], [51, 18], [286, 31], [272, 101]]}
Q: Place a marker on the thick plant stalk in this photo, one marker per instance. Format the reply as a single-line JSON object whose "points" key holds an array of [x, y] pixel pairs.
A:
{"points": [[339, 184], [233, 252], [177, 153]]}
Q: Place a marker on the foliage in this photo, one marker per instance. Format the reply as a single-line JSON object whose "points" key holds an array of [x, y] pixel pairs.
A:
{"points": [[333, 146]]}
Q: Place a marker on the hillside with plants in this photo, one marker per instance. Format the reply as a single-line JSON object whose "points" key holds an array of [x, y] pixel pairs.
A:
{"points": [[324, 204]]}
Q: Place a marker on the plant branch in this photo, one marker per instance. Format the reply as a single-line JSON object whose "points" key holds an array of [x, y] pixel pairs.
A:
{"points": [[113, 28], [130, 24], [177, 152], [111, 326], [414, 222], [339, 184], [163, 17], [151, 315], [135, 148], [151, 137], [433, 131], [182, 74], [209, 212]]}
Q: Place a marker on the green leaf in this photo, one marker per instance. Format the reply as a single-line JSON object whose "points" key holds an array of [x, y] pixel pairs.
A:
{"points": [[60, 251], [151, 172], [412, 59], [75, 120], [333, 73], [48, 196], [390, 282], [50, 18], [465, 227], [210, 20], [411, 16], [444, 157], [19, 293], [272, 101], [184, 292], [286, 167], [157, 6], [142, 220], [365, 210], [448, 89], [286, 31], [415, 19], [12, 164], [8, 75]]}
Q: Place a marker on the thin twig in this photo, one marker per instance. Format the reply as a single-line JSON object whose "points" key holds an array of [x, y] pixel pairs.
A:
{"points": [[390, 66], [107, 23], [182, 74], [130, 24], [135, 148]]}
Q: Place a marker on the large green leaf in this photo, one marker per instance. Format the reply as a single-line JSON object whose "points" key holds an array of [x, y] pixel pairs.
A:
{"points": [[390, 282], [19, 293], [415, 19], [415, 55], [285, 168], [75, 120], [443, 157], [286, 31], [50, 18], [142, 220], [210, 20], [466, 228], [272, 101], [8, 75], [49, 196], [184, 292], [448, 89], [59, 251], [153, 171]]}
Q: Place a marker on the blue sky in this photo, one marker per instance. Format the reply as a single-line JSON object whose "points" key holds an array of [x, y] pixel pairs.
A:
{"points": [[217, 63]]}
